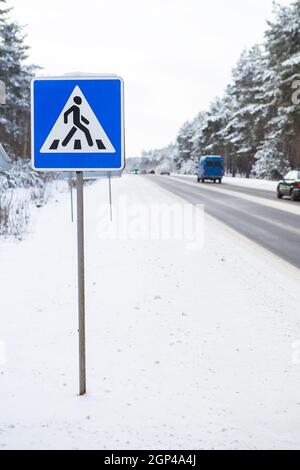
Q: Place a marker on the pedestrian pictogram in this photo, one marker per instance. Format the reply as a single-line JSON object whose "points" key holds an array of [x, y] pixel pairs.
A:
{"points": [[77, 129]]}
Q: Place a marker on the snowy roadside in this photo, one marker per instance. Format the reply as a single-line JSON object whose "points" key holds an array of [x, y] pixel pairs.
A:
{"points": [[18, 204], [186, 349], [245, 182], [252, 183]]}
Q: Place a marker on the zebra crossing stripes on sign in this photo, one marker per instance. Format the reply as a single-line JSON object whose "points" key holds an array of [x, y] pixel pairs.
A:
{"points": [[78, 123]]}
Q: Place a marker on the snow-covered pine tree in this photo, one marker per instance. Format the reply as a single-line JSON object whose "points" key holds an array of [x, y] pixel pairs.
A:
{"points": [[184, 145], [15, 115], [213, 141], [197, 139], [271, 162], [244, 130], [158, 158], [166, 157], [281, 146], [3, 11]]}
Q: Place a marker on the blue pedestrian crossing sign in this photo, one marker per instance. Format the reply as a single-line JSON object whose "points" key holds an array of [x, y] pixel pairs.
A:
{"points": [[78, 124]]}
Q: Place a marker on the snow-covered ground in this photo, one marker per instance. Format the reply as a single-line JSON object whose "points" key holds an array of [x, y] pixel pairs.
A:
{"points": [[17, 205], [246, 182], [185, 349], [252, 183]]}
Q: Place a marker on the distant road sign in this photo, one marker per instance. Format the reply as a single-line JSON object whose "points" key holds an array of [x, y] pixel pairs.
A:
{"points": [[78, 124]]}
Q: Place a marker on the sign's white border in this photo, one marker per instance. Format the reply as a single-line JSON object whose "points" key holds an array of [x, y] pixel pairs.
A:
{"points": [[80, 77]]}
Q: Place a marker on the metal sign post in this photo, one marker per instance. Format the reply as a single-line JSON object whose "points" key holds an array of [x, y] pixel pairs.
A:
{"points": [[81, 283], [71, 196], [110, 199]]}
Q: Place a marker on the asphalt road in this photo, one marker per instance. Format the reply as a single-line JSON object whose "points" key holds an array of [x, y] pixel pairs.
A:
{"points": [[275, 229]]}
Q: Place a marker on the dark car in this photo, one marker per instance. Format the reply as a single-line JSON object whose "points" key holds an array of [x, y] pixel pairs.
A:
{"points": [[290, 186]]}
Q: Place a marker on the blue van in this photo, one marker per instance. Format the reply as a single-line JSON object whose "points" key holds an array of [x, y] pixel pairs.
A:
{"points": [[211, 167]]}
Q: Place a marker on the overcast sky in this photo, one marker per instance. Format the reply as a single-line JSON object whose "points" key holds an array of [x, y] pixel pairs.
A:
{"points": [[174, 55]]}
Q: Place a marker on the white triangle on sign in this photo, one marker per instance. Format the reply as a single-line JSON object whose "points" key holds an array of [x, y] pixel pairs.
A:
{"points": [[77, 129]]}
